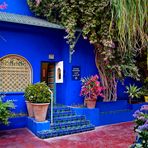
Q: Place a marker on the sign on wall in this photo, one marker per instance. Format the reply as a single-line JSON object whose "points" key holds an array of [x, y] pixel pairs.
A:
{"points": [[76, 73], [59, 72], [15, 73]]}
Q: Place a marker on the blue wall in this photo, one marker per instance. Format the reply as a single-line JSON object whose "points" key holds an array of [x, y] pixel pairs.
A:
{"points": [[16, 6], [69, 92], [35, 44]]}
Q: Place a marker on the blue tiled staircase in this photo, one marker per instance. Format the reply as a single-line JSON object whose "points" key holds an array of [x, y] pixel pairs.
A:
{"points": [[65, 122]]}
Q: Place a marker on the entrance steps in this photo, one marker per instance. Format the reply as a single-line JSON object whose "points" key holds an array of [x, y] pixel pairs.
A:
{"points": [[65, 122]]}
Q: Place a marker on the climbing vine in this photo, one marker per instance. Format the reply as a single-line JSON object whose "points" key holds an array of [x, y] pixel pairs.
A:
{"points": [[109, 26]]}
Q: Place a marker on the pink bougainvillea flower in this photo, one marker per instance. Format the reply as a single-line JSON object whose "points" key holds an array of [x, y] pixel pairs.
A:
{"points": [[3, 6], [38, 2], [91, 87]]}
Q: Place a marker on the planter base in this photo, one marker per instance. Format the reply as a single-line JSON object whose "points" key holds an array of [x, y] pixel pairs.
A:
{"points": [[40, 111], [36, 127], [90, 103], [146, 98], [30, 109]]}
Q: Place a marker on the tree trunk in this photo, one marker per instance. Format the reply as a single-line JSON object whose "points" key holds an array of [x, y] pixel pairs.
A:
{"points": [[107, 76]]}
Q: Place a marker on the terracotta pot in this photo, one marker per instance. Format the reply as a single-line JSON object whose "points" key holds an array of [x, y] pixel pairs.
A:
{"points": [[146, 98], [30, 109], [90, 103], [40, 111]]}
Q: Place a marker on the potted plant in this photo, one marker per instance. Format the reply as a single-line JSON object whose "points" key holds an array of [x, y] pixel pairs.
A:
{"points": [[91, 89], [133, 92], [40, 99], [29, 93]]}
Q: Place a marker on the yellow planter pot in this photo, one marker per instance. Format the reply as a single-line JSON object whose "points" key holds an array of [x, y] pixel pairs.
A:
{"points": [[146, 98]]}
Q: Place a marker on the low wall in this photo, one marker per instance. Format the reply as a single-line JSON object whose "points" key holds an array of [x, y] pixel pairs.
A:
{"points": [[109, 112], [113, 106], [16, 122]]}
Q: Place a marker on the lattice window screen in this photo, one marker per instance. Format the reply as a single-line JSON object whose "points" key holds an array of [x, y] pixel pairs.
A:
{"points": [[15, 73]]}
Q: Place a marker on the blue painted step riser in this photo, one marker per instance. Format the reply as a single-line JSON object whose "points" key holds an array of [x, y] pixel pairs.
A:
{"points": [[70, 124], [67, 120], [62, 114], [70, 117], [64, 132], [59, 109], [62, 121]]}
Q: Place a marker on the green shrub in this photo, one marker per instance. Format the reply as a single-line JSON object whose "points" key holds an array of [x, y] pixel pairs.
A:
{"points": [[38, 93], [29, 92], [133, 91], [5, 112]]}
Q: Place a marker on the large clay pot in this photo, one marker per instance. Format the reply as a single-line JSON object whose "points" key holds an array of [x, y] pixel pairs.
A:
{"points": [[40, 111], [30, 109], [90, 103], [146, 98]]}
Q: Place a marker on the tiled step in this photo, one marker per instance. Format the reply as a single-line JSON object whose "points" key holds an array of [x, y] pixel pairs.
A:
{"points": [[69, 124], [59, 109], [62, 114], [65, 121], [66, 131], [68, 118]]}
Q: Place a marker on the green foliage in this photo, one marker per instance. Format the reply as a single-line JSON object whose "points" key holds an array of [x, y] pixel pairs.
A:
{"points": [[38, 93], [91, 17], [29, 92], [131, 20], [144, 89], [133, 91], [5, 112], [117, 29], [97, 20]]}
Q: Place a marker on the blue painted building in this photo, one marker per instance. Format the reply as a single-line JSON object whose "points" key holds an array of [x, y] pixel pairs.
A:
{"points": [[41, 44], [35, 40]]}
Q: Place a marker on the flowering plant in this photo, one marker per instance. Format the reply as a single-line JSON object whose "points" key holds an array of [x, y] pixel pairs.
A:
{"points": [[91, 87], [141, 128]]}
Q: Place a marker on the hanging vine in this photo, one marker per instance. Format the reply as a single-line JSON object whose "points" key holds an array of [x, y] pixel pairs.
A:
{"points": [[116, 28]]}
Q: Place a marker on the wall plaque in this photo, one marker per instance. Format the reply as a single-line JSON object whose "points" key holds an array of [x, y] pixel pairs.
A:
{"points": [[76, 73], [15, 73]]}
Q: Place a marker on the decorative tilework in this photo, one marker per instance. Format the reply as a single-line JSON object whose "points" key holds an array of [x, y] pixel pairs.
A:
{"points": [[15, 73]]}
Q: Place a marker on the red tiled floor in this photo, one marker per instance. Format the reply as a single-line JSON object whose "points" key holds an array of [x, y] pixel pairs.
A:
{"points": [[112, 136]]}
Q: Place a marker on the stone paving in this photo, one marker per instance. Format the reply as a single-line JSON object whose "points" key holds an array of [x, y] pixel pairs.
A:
{"points": [[111, 136]]}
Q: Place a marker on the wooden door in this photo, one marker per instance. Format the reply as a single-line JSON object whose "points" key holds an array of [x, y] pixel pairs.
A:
{"points": [[48, 75]]}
